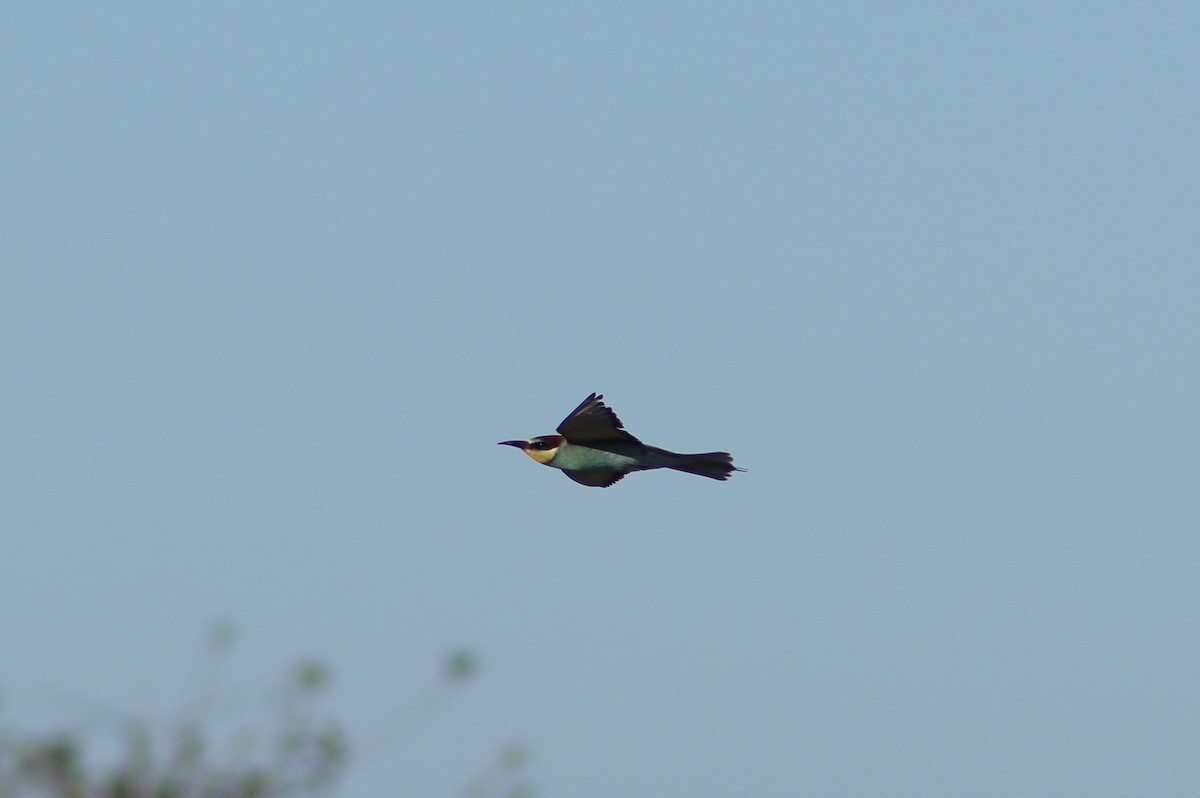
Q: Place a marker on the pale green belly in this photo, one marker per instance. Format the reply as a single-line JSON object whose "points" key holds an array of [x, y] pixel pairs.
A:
{"points": [[580, 458]]}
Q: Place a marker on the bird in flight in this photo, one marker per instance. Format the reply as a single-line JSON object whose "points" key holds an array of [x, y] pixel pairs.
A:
{"points": [[593, 448]]}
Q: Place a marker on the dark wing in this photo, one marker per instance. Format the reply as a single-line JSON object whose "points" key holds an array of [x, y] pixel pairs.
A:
{"points": [[595, 479], [593, 422]]}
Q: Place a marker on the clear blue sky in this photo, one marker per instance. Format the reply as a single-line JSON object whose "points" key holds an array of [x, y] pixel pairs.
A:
{"points": [[278, 276]]}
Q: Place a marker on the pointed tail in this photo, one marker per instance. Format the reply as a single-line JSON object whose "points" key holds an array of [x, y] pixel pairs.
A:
{"points": [[714, 465]]}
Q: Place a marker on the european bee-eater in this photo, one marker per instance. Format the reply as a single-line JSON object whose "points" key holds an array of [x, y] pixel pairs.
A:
{"points": [[593, 448]]}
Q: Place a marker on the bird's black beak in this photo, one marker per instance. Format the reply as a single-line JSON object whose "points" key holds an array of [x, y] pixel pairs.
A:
{"points": [[518, 444]]}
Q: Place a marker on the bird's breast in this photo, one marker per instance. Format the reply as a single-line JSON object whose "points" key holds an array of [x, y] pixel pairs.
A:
{"points": [[574, 457]]}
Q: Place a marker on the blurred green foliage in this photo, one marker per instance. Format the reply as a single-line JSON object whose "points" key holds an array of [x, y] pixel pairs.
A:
{"points": [[293, 750], [286, 746]]}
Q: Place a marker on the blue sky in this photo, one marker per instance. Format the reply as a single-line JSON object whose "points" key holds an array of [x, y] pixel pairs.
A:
{"points": [[278, 277]]}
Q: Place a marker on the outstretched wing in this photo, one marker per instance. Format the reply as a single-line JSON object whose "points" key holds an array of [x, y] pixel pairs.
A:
{"points": [[595, 479], [593, 422]]}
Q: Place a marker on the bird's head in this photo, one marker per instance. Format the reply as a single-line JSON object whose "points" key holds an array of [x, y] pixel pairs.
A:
{"points": [[542, 448]]}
